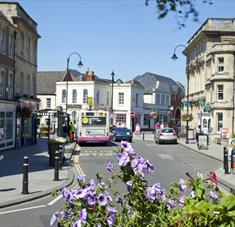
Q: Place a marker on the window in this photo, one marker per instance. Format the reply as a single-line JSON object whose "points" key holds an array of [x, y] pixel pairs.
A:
{"points": [[27, 85], [74, 117], [10, 84], [2, 40], [49, 103], [121, 120], [28, 47], [158, 99], [220, 90], [63, 96], [219, 121], [220, 64], [136, 100], [85, 95], [167, 100], [11, 45], [74, 96], [98, 97], [120, 98], [21, 83], [34, 86], [107, 98], [9, 125], [2, 76], [22, 44], [162, 99], [2, 126]]}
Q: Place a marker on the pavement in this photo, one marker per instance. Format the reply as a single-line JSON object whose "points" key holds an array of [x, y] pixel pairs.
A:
{"points": [[214, 150], [41, 175]]}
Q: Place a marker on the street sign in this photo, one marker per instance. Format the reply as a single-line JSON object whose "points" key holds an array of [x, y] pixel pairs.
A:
{"points": [[207, 107], [132, 115]]}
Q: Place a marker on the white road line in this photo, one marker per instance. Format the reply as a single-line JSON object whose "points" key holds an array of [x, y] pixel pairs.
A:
{"points": [[84, 154], [22, 209], [54, 200]]}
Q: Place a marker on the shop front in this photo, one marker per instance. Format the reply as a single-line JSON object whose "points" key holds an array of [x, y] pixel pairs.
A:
{"points": [[7, 124], [26, 122]]}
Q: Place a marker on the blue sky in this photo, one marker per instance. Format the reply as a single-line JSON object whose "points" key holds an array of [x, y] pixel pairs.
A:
{"points": [[120, 35]]}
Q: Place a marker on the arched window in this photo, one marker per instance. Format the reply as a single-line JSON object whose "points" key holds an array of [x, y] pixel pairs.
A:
{"points": [[85, 95], [74, 96], [74, 115], [63, 96]]}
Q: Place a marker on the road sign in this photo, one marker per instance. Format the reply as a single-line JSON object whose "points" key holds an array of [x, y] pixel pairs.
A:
{"points": [[132, 115]]}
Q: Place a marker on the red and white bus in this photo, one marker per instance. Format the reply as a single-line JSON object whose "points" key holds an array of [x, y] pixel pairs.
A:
{"points": [[93, 126]]}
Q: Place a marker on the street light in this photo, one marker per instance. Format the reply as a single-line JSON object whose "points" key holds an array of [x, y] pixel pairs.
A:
{"points": [[112, 74], [79, 65], [174, 57]]}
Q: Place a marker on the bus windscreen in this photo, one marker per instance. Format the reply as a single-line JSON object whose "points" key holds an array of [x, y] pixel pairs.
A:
{"points": [[93, 121]]}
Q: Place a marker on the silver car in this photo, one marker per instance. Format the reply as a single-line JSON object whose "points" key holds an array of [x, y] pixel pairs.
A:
{"points": [[165, 135]]}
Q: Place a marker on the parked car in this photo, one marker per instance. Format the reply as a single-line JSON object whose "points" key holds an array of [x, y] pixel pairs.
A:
{"points": [[122, 134], [165, 135]]}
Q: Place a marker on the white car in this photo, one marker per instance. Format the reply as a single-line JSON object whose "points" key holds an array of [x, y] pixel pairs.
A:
{"points": [[165, 135]]}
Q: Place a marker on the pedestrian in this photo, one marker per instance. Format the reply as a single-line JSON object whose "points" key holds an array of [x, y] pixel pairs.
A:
{"points": [[157, 125], [198, 131], [1, 156], [137, 129], [71, 131]]}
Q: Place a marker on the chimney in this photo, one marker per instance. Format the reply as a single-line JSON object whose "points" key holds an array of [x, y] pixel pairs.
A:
{"points": [[90, 75]]}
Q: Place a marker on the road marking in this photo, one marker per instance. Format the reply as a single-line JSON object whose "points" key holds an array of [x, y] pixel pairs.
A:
{"points": [[166, 156], [54, 200], [84, 154], [22, 209]]}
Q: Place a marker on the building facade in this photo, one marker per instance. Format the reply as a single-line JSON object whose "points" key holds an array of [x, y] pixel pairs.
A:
{"points": [[21, 49], [211, 76]]}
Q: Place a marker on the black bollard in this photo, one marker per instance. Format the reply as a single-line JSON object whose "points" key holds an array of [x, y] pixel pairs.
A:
{"points": [[226, 166], [56, 173], [25, 176], [143, 135], [61, 156]]}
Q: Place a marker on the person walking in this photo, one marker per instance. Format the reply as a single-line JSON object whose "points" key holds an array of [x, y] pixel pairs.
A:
{"points": [[137, 129], [198, 131], [71, 131]]}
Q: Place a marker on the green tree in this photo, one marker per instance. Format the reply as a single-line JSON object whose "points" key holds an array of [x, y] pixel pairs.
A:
{"points": [[183, 9]]}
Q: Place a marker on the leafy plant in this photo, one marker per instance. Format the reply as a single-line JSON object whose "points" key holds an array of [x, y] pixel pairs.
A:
{"points": [[191, 202]]}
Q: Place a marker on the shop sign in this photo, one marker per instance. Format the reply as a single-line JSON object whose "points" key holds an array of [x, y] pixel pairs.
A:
{"points": [[207, 107]]}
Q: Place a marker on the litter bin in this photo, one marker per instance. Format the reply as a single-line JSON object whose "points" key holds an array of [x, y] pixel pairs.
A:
{"points": [[53, 147]]}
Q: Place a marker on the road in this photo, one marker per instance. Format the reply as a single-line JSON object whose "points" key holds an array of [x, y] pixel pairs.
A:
{"points": [[171, 162]]}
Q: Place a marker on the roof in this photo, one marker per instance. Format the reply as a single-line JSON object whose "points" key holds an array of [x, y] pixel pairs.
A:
{"points": [[46, 81], [150, 80]]}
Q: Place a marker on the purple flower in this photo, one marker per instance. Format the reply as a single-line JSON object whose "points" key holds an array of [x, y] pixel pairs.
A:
{"points": [[141, 166], [56, 215], [171, 203], [127, 147], [81, 178], [129, 212], [67, 194], [82, 218], [213, 195], [110, 167], [111, 209], [80, 193], [102, 199], [155, 192], [181, 200], [123, 158], [182, 184], [92, 184], [129, 184], [91, 200], [110, 219], [192, 194]]}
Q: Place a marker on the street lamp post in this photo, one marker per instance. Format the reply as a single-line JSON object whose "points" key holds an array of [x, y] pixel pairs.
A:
{"points": [[174, 57], [67, 71], [112, 74]]}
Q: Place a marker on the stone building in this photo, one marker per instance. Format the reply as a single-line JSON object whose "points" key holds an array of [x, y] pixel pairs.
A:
{"points": [[211, 75], [21, 45]]}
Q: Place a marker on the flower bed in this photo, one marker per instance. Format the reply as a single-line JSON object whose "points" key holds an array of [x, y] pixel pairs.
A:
{"points": [[191, 202]]}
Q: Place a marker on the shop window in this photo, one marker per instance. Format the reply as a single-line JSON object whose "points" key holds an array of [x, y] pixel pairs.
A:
{"points": [[146, 119], [219, 121], [121, 120], [2, 126], [9, 125]]}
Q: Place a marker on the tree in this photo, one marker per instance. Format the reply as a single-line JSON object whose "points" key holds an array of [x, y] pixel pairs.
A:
{"points": [[183, 9]]}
